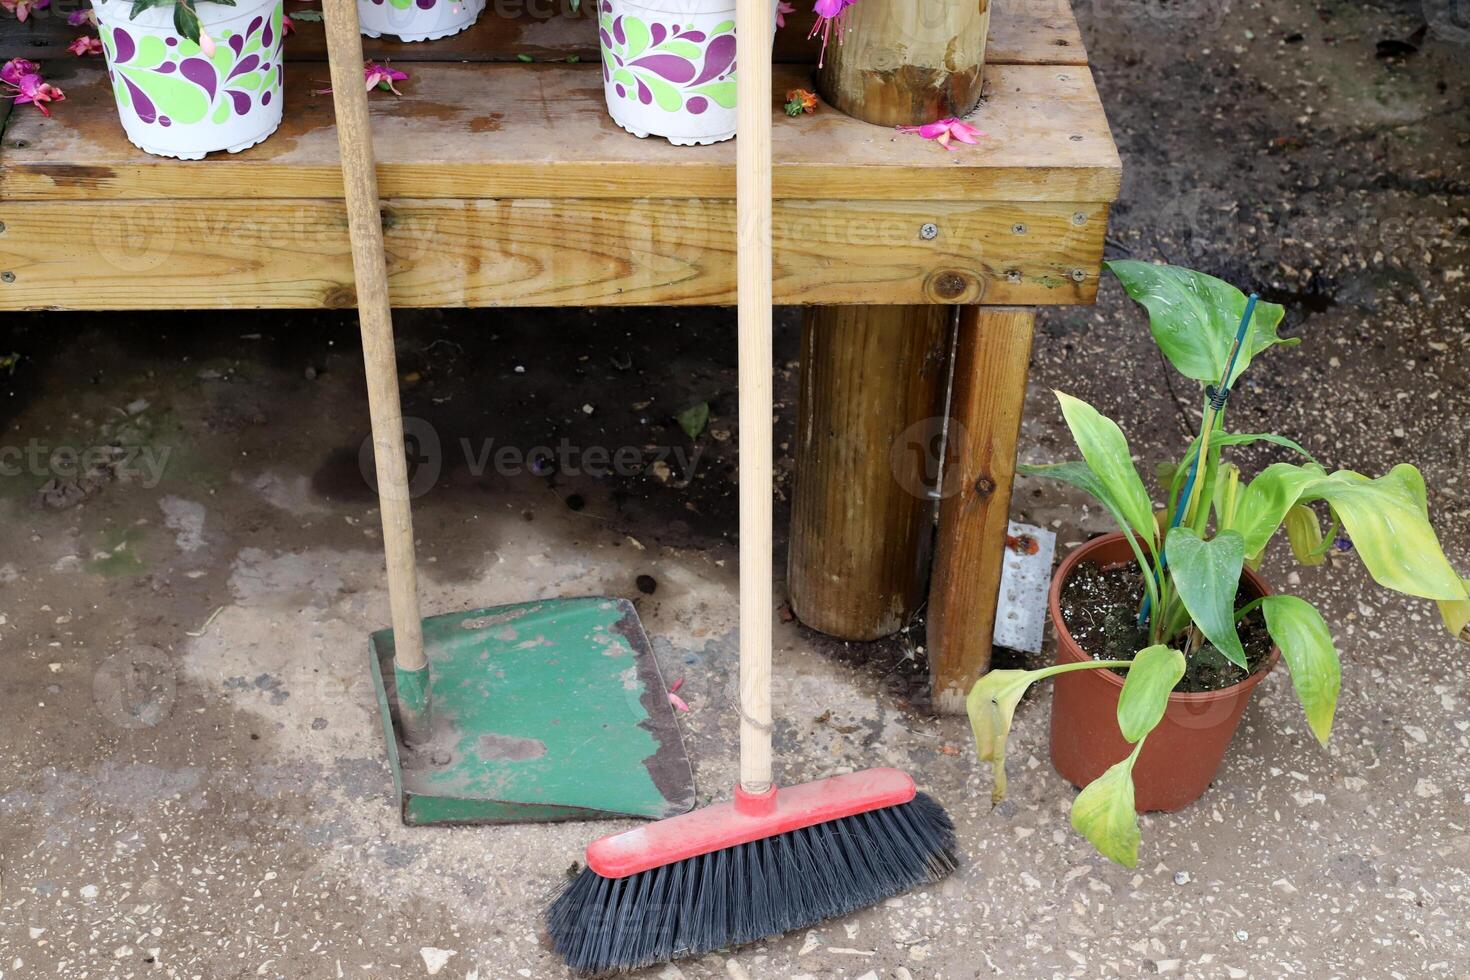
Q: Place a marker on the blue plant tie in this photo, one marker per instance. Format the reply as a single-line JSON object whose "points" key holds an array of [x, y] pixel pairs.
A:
{"points": [[1217, 395]]}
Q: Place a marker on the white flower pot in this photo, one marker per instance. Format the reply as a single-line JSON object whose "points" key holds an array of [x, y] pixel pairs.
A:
{"points": [[417, 20], [174, 101], [668, 67]]}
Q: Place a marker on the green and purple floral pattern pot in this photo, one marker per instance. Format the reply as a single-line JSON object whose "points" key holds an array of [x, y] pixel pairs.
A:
{"points": [[417, 20], [668, 67], [174, 100]]}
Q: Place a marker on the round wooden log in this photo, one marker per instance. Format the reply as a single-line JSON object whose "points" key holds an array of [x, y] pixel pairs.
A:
{"points": [[907, 62], [868, 427]]}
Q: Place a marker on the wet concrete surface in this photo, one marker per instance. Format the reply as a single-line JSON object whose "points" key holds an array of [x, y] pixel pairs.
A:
{"points": [[194, 784]]}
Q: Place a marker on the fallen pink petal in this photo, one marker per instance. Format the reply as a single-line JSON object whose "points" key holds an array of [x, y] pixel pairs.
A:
{"points": [[382, 77], [782, 9], [677, 684], [22, 8], [84, 46], [677, 702], [944, 131], [21, 81], [79, 17]]}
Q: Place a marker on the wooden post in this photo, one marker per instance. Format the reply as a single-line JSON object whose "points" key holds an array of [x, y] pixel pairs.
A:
{"points": [[992, 362], [860, 519], [907, 62], [867, 429]]}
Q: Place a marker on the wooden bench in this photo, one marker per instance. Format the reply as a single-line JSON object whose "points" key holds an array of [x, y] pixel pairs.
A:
{"points": [[505, 184]]}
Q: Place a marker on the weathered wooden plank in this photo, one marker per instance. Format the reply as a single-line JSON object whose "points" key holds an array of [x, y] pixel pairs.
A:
{"points": [[294, 253], [541, 131], [992, 361], [1023, 32]]}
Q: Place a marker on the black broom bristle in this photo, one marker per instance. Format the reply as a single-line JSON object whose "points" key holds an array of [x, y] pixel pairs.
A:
{"points": [[742, 894]]}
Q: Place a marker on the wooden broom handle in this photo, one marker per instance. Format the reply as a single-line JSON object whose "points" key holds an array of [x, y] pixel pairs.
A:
{"points": [[360, 180], [753, 31]]}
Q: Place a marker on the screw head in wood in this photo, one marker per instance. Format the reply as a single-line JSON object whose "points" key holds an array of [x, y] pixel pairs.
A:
{"points": [[1019, 228], [2, 227], [1080, 218], [1078, 275], [7, 276], [929, 232]]}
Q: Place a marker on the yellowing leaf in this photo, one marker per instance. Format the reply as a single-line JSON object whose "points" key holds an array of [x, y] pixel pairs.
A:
{"points": [[1388, 522], [1456, 613], [1305, 534], [1146, 690], [991, 705], [1103, 813], [1306, 646]]}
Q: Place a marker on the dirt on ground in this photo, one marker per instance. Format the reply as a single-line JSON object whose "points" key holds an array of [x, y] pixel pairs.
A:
{"points": [[194, 782]]}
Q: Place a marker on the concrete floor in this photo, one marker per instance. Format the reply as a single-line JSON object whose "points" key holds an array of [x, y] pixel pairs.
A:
{"points": [[194, 783]]}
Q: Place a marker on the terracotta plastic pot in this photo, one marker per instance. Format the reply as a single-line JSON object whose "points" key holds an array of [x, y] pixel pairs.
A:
{"points": [[1182, 754]]}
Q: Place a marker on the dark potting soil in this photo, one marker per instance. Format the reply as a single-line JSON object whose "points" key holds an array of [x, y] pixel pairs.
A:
{"points": [[1100, 607]]}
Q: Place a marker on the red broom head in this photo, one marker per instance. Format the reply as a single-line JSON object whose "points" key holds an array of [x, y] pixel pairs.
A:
{"points": [[758, 866], [748, 818]]}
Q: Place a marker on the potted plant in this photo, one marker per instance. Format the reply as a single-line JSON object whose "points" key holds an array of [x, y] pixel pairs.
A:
{"points": [[417, 20], [194, 76], [668, 67], [1163, 628]]}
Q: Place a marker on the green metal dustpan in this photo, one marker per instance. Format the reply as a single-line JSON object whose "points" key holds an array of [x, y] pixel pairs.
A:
{"points": [[542, 711]]}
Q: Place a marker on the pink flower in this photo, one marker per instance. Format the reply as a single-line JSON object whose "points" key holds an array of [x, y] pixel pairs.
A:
{"points": [[782, 9], [288, 26], [21, 81], [382, 77], [84, 46], [830, 14], [79, 17], [206, 44], [16, 68], [22, 8], [945, 130]]}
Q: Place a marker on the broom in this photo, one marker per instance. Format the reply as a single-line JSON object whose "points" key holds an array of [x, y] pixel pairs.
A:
{"points": [[770, 861]]}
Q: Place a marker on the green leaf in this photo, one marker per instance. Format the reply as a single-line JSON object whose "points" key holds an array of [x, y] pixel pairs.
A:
{"points": [[308, 16], [1206, 575], [1103, 813], [991, 705], [141, 5], [1304, 532], [1247, 438], [1268, 498], [694, 419], [1106, 451], [525, 58], [1456, 614], [186, 22], [1306, 646], [1388, 522], [1146, 691], [1194, 318]]}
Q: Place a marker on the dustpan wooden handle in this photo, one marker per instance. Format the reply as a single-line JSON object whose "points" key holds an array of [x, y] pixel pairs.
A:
{"points": [[360, 181], [753, 29]]}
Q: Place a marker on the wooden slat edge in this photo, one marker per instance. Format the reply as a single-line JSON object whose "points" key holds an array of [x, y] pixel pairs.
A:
{"points": [[294, 254]]}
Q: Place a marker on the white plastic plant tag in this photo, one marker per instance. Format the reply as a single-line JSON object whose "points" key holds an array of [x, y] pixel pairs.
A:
{"points": [[1025, 579]]}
